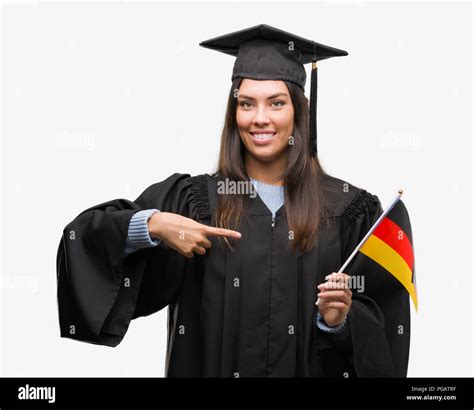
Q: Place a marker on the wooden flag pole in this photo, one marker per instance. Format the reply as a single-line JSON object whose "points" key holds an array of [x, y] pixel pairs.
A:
{"points": [[372, 229]]}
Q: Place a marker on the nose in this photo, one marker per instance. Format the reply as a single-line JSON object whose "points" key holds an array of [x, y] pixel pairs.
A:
{"points": [[261, 116]]}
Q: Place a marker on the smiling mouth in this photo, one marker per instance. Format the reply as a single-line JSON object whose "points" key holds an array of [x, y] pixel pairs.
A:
{"points": [[262, 136]]}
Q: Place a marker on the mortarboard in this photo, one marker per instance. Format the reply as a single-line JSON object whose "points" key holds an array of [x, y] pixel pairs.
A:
{"points": [[267, 53]]}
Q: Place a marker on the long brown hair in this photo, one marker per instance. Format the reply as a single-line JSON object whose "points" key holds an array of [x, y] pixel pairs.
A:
{"points": [[302, 177]]}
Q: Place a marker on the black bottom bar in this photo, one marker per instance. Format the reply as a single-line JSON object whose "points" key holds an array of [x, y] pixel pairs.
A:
{"points": [[141, 393]]}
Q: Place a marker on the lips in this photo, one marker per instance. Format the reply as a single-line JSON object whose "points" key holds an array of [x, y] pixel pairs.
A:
{"points": [[262, 137]]}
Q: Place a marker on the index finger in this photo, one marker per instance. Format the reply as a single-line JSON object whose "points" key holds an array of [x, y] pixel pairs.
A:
{"points": [[211, 231], [336, 280], [335, 276]]}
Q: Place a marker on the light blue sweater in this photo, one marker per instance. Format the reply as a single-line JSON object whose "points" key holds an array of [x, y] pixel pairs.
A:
{"points": [[272, 195]]}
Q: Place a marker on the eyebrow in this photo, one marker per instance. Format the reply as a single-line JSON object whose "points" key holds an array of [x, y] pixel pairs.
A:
{"points": [[269, 98]]}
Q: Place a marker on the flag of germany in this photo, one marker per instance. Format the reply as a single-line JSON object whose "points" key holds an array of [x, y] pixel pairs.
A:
{"points": [[386, 262], [391, 246]]}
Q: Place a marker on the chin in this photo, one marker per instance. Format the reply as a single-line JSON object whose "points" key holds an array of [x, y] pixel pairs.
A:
{"points": [[265, 154]]}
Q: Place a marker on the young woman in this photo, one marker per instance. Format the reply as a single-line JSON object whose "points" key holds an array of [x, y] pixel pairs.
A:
{"points": [[241, 256]]}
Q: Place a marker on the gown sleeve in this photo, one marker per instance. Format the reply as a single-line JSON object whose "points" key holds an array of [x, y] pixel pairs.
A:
{"points": [[378, 347], [101, 288]]}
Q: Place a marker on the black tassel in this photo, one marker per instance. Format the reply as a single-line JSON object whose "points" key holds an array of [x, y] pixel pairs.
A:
{"points": [[313, 99]]}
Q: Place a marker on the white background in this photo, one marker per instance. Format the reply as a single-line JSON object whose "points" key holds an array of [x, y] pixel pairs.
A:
{"points": [[100, 100]]}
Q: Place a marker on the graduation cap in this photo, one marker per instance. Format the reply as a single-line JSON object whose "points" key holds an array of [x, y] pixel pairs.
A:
{"points": [[267, 53]]}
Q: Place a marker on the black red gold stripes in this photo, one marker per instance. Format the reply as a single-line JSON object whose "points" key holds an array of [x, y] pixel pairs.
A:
{"points": [[391, 246]]}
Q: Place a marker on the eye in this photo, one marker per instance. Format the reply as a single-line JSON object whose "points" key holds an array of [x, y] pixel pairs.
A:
{"points": [[246, 104], [278, 103]]}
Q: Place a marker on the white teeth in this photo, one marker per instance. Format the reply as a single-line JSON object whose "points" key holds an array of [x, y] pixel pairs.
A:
{"points": [[263, 136]]}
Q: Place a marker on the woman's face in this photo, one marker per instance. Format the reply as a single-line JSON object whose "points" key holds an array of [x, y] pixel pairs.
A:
{"points": [[265, 118]]}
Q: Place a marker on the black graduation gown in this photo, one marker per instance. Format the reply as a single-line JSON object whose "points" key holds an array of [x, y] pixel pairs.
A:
{"points": [[242, 313]]}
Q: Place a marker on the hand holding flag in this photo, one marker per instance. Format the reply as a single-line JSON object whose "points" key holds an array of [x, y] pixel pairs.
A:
{"points": [[335, 298], [389, 244]]}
